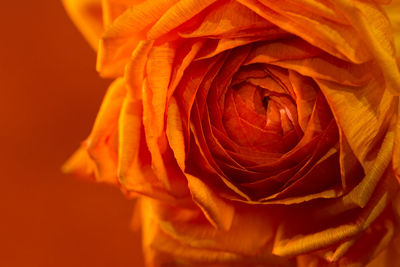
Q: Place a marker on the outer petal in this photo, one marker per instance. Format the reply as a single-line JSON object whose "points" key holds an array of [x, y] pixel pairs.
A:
{"points": [[88, 17], [182, 234], [371, 22], [123, 35], [101, 146], [396, 149], [371, 109], [315, 22], [393, 11]]}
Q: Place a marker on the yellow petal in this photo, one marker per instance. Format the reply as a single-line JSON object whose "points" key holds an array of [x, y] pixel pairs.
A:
{"points": [[372, 109], [396, 149], [393, 12], [177, 15], [130, 121], [376, 30], [225, 19], [291, 240], [102, 142], [217, 211], [336, 38], [123, 35], [113, 8], [194, 242]]}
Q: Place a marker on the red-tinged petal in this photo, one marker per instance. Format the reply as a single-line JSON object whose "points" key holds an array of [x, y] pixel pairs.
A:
{"points": [[306, 92], [206, 157], [306, 183], [87, 16], [124, 34], [215, 46], [363, 192], [215, 147], [184, 57], [297, 55], [310, 181], [282, 50], [195, 76], [220, 85]]}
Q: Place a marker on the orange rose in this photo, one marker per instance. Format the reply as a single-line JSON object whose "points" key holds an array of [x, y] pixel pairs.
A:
{"points": [[256, 132]]}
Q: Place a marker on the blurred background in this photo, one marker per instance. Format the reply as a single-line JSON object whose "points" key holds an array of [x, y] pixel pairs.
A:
{"points": [[49, 97]]}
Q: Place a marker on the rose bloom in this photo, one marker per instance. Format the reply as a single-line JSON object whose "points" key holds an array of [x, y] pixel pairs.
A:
{"points": [[254, 132]]}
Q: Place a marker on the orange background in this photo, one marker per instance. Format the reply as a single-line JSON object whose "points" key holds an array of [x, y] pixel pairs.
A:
{"points": [[49, 96]]}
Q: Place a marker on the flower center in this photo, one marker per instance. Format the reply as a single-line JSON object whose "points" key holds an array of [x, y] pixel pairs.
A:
{"points": [[259, 110]]}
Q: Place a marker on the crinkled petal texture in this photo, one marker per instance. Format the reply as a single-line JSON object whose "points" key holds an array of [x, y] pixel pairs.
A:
{"points": [[257, 132]]}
